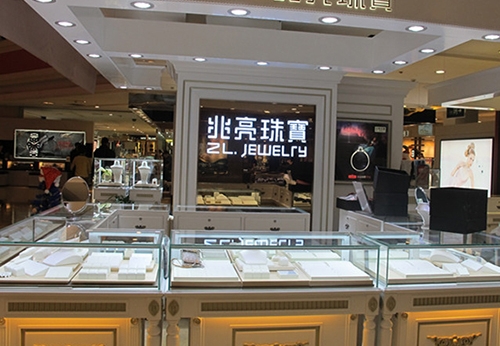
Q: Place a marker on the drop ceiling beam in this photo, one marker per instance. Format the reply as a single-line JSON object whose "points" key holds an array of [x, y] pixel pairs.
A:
{"points": [[46, 44]]}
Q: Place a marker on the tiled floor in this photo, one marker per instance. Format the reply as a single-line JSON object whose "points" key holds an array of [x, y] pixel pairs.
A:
{"points": [[13, 212]]}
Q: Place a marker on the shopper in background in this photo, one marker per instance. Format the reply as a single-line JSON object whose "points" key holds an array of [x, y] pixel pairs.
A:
{"points": [[104, 151], [82, 165]]}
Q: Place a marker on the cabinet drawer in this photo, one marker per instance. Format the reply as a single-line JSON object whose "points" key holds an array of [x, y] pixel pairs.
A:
{"points": [[207, 223], [140, 222], [274, 224]]}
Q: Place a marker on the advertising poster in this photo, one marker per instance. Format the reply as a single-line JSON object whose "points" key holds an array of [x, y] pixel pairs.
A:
{"points": [[45, 144], [361, 145], [466, 163]]}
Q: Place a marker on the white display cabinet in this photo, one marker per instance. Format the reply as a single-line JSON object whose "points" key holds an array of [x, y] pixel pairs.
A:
{"points": [[111, 179], [267, 288], [146, 180], [138, 217], [240, 218], [73, 255], [62, 281], [439, 288], [454, 300]]}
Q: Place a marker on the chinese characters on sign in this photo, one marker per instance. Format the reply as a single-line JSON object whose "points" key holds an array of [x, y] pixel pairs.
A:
{"points": [[354, 4], [261, 137]]}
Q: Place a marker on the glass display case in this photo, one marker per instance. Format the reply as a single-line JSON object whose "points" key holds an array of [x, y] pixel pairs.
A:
{"points": [[269, 259], [111, 179], [433, 258], [146, 180], [54, 249]]}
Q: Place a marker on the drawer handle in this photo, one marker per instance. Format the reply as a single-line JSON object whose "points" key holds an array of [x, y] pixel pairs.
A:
{"points": [[209, 228], [274, 229], [140, 226]]}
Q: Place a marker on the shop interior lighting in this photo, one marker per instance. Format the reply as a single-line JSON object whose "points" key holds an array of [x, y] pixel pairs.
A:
{"points": [[45, 1], [262, 63], [378, 71], [135, 55], [200, 59], [427, 50], [440, 71], [82, 42], [324, 68], [65, 24], [491, 37], [416, 28], [94, 56], [400, 62], [329, 20], [239, 12], [143, 5]]}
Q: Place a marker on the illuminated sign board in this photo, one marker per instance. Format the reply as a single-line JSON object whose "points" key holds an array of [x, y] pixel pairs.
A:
{"points": [[267, 136], [354, 4]]}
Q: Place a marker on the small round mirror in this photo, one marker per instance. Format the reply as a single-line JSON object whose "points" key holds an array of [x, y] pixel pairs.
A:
{"points": [[75, 195]]}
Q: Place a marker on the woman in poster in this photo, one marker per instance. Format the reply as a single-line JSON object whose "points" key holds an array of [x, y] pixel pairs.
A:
{"points": [[462, 173]]}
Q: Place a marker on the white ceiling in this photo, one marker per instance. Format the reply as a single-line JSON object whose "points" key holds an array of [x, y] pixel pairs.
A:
{"points": [[286, 39]]}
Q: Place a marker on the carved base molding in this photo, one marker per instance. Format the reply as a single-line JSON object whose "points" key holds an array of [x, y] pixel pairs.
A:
{"points": [[454, 340]]}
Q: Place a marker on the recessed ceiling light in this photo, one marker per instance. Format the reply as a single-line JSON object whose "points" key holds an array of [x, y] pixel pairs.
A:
{"points": [[45, 1], [427, 50], [324, 68], [491, 37], [440, 71], [148, 88], [378, 71], [200, 59], [48, 102], [65, 24], [123, 87], [135, 56], [329, 20], [93, 55], [143, 5], [400, 62], [416, 28], [82, 42], [240, 12], [262, 63]]}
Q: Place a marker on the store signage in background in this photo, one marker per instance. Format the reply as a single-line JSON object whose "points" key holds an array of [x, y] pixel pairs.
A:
{"points": [[353, 4], [272, 137], [425, 129]]}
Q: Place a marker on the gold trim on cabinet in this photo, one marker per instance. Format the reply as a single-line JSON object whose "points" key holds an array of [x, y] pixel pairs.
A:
{"points": [[65, 307], [373, 304], [273, 306], [454, 340], [173, 307], [459, 300], [390, 303], [154, 308], [298, 343]]}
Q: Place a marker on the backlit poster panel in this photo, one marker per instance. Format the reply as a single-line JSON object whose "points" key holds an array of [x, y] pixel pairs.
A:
{"points": [[45, 144], [466, 163]]}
